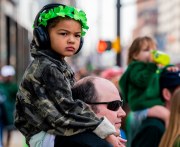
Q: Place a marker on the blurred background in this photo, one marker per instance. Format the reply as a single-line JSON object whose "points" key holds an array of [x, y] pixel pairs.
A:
{"points": [[113, 25], [117, 22]]}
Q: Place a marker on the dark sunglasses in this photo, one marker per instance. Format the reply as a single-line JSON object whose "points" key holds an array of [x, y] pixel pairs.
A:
{"points": [[113, 105]]}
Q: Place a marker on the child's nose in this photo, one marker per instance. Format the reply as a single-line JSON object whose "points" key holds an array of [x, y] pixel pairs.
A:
{"points": [[71, 38]]}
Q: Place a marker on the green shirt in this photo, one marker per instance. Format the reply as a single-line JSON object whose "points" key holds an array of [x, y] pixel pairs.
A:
{"points": [[9, 90], [140, 85]]}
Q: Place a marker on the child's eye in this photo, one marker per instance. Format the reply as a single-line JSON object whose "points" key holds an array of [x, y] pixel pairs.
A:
{"points": [[63, 34], [78, 36]]}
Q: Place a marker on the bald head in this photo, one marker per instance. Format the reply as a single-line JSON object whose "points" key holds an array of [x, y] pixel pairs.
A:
{"points": [[98, 81], [99, 87], [105, 89]]}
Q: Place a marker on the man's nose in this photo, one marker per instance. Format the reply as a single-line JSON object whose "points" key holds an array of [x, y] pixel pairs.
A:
{"points": [[121, 112]]}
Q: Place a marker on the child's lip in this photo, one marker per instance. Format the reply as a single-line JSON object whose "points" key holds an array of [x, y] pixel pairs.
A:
{"points": [[70, 48]]}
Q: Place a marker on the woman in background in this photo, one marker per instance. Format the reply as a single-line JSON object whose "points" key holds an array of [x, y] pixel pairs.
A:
{"points": [[171, 137]]}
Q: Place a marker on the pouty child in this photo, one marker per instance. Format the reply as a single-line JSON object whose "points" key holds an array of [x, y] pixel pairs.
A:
{"points": [[44, 103]]}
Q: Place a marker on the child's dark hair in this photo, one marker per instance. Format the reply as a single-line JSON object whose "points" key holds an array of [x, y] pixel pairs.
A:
{"points": [[169, 80], [54, 21]]}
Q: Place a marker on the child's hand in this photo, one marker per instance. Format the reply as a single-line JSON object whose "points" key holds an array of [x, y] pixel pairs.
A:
{"points": [[112, 139], [116, 141], [160, 66], [122, 142], [173, 68], [160, 112]]}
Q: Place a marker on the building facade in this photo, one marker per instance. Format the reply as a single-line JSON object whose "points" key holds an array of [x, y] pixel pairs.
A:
{"points": [[16, 20], [146, 18], [169, 27], [161, 20]]}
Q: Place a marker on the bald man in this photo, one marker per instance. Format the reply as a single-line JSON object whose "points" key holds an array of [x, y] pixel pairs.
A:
{"points": [[104, 99]]}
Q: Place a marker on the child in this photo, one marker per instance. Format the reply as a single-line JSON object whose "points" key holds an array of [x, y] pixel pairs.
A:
{"points": [[140, 85], [141, 73], [44, 101]]}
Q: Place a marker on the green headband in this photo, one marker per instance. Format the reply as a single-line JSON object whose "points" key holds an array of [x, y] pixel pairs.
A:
{"points": [[64, 11]]}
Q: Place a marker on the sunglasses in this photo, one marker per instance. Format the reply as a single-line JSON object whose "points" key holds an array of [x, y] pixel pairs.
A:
{"points": [[113, 105]]}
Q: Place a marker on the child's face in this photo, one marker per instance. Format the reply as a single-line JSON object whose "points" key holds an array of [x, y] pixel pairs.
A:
{"points": [[65, 37], [145, 52]]}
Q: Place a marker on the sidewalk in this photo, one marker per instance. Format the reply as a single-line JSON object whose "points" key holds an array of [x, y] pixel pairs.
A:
{"points": [[16, 140]]}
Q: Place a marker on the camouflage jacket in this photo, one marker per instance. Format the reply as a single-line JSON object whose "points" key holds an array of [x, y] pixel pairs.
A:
{"points": [[44, 99]]}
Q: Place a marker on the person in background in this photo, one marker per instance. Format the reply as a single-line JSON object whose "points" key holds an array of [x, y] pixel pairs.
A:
{"points": [[104, 99], [152, 128], [9, 89], [171, 137], [44, 102], [3, 118], [140, 85]]}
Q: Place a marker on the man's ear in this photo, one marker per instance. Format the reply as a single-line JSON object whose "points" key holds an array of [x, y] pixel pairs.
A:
{"points": [[166, 94]]}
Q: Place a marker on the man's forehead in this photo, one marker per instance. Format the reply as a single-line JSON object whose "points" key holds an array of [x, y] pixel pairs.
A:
{"points": [[106, 90], [103, 83]]}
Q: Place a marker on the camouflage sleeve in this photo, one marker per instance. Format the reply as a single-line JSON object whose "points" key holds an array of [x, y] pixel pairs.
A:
{"points": [[61, 114]]}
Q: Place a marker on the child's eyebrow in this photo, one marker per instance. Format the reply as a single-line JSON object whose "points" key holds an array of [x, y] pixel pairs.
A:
{"points": [[67, 31]]}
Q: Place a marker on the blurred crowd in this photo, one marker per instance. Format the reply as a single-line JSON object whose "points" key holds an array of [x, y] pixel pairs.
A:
{"points": [[148, 124], [8, 90]]}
